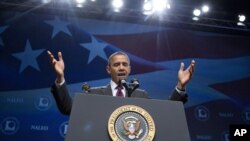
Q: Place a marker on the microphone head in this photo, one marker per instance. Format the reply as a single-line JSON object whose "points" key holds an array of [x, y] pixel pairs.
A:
{"points": [[123, 81], [85, 87], [135, 81]]}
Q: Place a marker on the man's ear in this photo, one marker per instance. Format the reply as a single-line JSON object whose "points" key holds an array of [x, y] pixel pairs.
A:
{"points": [[108, 69], [129, 70]]}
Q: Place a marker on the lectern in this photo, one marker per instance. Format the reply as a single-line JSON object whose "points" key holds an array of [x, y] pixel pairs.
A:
{"points": [[106, 118]]}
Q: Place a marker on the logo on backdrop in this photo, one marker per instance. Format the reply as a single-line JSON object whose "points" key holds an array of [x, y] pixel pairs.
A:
{"points": [[63, 129], [246, 115], [43, 103], [225, 136], [9, 126], [131, 122], [201, 113]]}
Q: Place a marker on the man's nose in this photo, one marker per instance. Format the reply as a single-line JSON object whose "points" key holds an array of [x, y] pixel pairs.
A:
{"points": [[121, 67]]}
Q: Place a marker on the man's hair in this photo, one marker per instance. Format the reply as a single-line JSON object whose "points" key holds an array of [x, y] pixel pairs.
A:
{"points": [[117, 53]]}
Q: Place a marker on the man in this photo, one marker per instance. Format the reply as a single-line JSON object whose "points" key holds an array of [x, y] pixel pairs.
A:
{"points": [[118, 68]]}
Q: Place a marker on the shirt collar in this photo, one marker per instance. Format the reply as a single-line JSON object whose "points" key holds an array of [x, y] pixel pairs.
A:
{"points": [[114, 90], [113, 85]]}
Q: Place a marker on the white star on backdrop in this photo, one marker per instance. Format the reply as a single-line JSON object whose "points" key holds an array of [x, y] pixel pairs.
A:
{"points": [[28, 57], [95, 48], [58, 25]]}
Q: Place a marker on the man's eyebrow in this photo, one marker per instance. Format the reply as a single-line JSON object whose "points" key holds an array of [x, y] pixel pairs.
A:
{"points": [[120, 63]]}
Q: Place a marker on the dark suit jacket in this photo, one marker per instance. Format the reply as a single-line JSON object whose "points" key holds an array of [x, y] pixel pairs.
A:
{"points": [[64, 101]]}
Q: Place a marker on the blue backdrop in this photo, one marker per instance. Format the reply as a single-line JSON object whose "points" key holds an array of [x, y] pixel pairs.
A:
{"points": [[218, 92]]}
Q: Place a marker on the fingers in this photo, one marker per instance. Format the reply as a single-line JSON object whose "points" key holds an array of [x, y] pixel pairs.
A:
{"points": [[50, 56], [191, 71], [182, 66], [191, 67], [60, 56], [193, 63], [49, 53]]}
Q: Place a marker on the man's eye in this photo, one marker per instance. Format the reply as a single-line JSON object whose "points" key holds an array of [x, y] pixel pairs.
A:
{"points": [[125, 64], [116, 64]]}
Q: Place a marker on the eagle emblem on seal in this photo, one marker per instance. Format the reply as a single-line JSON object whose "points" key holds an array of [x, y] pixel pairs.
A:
{"points": [[132, 127]]}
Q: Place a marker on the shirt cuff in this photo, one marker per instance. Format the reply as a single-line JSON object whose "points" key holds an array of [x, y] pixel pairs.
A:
{"points": [[181, 92], [59, 84]]}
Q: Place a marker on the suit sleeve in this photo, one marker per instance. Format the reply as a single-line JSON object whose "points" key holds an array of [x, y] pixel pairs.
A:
{"points": [[176, 96], [62, 98]]}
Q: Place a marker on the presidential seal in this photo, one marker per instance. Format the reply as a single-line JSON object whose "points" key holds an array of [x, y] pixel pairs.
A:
{"points": [[131, 123]]}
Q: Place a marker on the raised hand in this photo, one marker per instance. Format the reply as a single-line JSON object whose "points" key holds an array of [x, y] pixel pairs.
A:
{"points": [[185, 75], [58, 66]]}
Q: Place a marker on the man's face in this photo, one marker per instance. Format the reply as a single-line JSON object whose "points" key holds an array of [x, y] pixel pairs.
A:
{"points": [[119, 68]]}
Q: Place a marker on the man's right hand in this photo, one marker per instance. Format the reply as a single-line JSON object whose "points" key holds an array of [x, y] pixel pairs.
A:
{"points": [[58, 66]]}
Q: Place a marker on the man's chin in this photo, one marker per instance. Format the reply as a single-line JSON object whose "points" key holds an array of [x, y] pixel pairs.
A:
{"points": [[122, 77]]}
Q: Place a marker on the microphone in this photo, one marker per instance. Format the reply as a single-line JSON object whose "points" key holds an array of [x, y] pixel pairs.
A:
{"points": [[123, 82], [85, 87], [135, 83], [130, 86]]}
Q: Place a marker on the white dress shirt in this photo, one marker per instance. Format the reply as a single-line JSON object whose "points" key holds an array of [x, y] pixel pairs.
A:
{"points": [[114, 90]]}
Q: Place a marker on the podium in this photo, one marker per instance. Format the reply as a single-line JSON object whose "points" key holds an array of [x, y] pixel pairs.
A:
{"points": [[91, 116]]}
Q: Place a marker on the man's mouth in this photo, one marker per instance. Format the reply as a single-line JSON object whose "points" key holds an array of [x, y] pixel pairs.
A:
{"points": [[121, 74]]}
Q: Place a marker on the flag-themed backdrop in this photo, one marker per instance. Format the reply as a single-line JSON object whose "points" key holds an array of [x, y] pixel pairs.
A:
{"points": [[218, 92]]}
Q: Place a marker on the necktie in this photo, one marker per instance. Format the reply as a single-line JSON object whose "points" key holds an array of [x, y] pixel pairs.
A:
{"points": [[119, 91]]}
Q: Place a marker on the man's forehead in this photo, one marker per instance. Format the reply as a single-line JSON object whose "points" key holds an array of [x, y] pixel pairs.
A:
{"points": [[123, 61], [119, 58]]}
